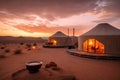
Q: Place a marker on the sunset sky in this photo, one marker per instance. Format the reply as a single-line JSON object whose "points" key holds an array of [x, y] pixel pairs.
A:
{"points": [[42, 18]]}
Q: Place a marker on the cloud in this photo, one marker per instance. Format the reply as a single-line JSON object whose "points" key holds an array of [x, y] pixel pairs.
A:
{"points": [[51, 15], [51, 9], [52, 30], [113, 7], [25, 30], [34, 23], [27, 20], [48, 8]]}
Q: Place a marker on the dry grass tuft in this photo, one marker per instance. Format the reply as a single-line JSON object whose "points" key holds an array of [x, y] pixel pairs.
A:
{"points": [[18, 51], [7, 51]]}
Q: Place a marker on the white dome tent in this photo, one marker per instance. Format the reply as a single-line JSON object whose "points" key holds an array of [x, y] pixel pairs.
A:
{"points": [[58, 39], [104, 38]]}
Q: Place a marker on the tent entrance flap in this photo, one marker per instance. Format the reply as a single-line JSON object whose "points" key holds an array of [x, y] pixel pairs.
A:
{"points": [[53, 41], [93, 46]]}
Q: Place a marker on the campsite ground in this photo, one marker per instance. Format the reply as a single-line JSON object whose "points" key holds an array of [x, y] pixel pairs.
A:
{"points": [[82, 68]]}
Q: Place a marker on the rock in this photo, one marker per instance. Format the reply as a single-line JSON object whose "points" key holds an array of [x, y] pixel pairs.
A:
{"points": [[47, 66], [53, 64], [56, 68]]}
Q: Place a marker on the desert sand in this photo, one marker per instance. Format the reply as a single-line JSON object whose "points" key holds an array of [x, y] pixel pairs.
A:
{"points": [[82, 68]]}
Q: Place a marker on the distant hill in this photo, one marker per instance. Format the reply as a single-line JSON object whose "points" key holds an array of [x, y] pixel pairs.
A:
{"points": [[8, 39]]}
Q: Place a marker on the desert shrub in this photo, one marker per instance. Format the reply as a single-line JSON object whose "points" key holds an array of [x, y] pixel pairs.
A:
{"points": [[2, 47], [35, 44], [51, 64], [7, 51], [21, 43], [18, 51], [28, 45], [2, 56]]}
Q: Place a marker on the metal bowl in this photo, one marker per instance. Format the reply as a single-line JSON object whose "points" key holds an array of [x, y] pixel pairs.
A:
{"points": [[33, 66]]}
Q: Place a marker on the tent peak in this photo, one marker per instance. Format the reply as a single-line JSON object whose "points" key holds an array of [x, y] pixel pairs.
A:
{"points": [[59, 34], [103, 29], [104, 24]]}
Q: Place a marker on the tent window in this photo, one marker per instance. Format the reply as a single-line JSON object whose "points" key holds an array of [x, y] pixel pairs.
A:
{"points": [[93, 46], [53, 41]]}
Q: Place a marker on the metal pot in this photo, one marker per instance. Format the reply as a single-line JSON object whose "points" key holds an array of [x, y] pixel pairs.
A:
{"points": [[33, 66]]}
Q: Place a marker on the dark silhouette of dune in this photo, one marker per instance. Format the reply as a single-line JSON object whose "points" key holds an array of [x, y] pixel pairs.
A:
{"points": [[10, 39]]}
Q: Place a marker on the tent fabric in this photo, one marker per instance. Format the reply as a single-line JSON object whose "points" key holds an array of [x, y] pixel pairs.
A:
{"points": [[104, 33], [62, 39], [59, 34], [103, 29]]}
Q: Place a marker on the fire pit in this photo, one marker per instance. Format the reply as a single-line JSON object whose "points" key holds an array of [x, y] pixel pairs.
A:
{"points": [[33, 66]]}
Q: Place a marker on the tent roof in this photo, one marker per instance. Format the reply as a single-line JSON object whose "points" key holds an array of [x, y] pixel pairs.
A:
{"points": [[59, 34], [103, 29]]}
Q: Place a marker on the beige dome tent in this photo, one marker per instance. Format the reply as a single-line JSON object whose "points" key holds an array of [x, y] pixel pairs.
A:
{"points": [[104, 38], [59, 39]]}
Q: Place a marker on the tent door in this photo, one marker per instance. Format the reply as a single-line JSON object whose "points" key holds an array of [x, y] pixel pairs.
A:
{"points": [[93, 46]]}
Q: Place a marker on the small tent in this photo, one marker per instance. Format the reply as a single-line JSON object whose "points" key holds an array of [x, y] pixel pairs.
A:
{"points": [[59, 39], [104, 38]]}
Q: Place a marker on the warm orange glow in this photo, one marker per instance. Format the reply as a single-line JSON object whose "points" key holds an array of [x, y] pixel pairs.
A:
{"points": [[53, 41], [90, 42], [33, 47], [9, 30], [93, 46], [32, 26]]}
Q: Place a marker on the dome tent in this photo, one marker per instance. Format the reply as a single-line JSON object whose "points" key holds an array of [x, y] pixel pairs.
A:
{"points": [[59, 39], [104, 38], [59, 34]]}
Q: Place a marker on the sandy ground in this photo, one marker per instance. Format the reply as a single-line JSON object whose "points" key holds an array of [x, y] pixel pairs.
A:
{"points": [[82, 68]]}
